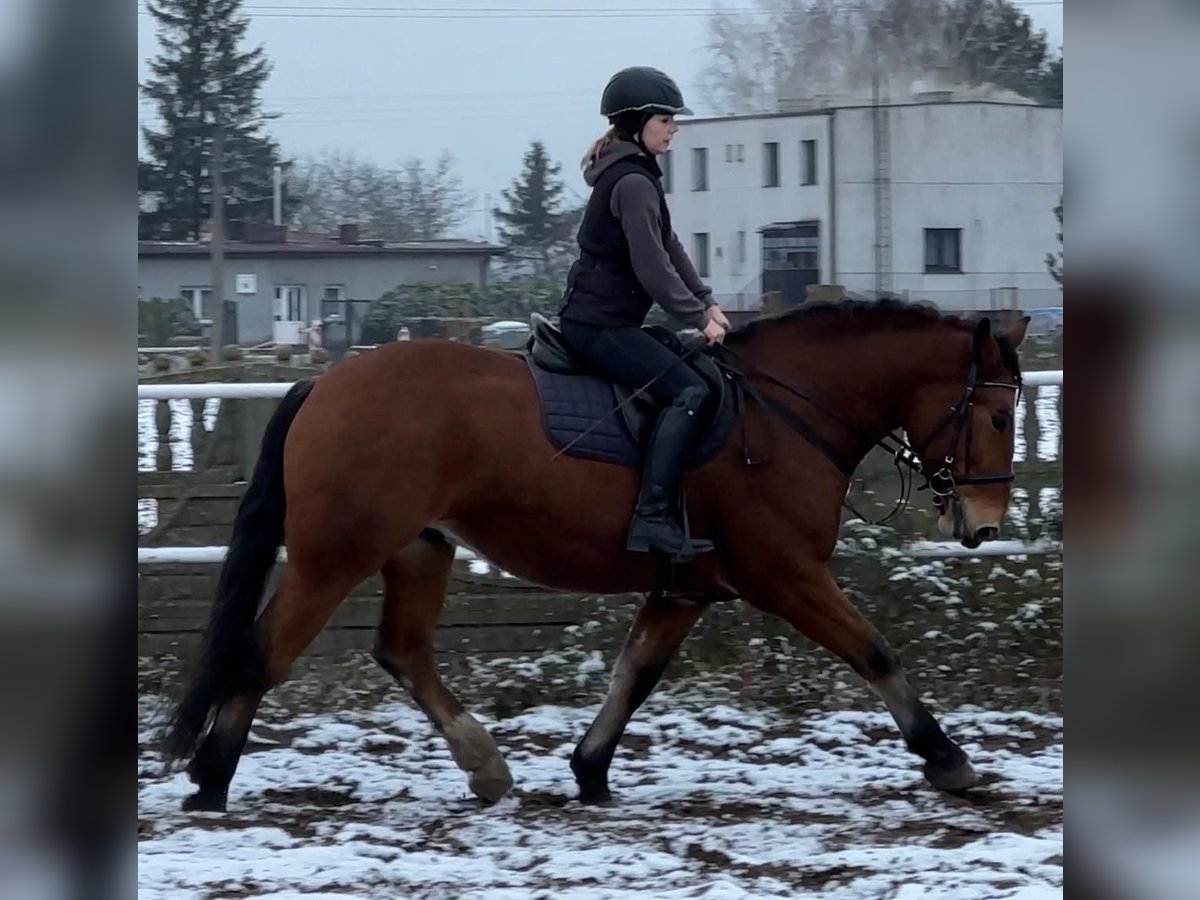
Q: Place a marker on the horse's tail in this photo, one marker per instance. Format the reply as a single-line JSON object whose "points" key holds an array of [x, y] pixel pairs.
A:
{"points": [[231, 660]]}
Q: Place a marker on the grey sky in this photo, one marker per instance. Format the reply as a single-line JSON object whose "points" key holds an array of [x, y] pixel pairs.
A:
{"points": [[426, 76]]}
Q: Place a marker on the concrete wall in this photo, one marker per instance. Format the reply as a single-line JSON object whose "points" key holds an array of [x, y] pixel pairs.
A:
{"points": [[736, 199], [994, 171], [363, 277]]}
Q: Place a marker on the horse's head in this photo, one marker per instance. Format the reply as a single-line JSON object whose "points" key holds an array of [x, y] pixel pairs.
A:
{"points": [[963, 429]]}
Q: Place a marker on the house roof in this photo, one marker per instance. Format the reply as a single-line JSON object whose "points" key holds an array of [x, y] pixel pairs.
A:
{"points": [[307, 244]]}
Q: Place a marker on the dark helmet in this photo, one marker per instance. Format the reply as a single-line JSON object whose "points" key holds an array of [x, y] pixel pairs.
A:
{"points": [[642, 89]]}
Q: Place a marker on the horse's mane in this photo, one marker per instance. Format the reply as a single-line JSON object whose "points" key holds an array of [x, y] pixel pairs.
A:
{"points": [[884, 312]]}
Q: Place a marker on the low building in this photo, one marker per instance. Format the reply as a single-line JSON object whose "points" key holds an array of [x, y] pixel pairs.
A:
{"points": [[278, 282], [940, 199]]}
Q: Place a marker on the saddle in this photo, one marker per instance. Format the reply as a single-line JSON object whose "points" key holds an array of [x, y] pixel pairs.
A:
{"points": [[578, 405]]}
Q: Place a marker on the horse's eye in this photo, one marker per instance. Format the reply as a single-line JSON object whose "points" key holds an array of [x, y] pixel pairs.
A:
{"points": [[1001, 420]]}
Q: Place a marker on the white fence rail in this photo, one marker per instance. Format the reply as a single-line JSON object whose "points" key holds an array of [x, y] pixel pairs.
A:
{"points": [[271, 390], [148, 556], [267, 390]]}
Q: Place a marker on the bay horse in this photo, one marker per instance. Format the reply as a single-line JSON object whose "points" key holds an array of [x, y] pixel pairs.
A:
{"points": [[388, 460]]}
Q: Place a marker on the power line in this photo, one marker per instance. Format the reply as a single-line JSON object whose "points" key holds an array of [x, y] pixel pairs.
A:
{"points": [[416, 13]]}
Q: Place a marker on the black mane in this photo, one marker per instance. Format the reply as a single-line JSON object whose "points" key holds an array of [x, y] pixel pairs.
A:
{"points": [[890, 309]]}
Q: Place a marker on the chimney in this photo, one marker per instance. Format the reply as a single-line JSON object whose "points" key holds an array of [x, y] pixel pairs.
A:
{"points": [[348, 233]]}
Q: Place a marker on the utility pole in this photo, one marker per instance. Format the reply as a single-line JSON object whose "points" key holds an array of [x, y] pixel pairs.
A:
{"points": [[217, 243]]}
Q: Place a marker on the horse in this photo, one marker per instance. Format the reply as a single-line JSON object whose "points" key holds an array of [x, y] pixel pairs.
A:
{"points": [[388, 461]]}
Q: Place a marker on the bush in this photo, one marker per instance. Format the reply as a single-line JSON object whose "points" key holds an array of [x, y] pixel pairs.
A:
{"points": [[161, 320]]}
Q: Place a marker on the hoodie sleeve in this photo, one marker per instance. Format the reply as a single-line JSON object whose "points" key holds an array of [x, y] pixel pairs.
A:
{"points": [[683, 265], [635, 204]]}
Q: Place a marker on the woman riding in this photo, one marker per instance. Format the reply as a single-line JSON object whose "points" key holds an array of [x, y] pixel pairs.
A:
{"points": [[630, 259]]}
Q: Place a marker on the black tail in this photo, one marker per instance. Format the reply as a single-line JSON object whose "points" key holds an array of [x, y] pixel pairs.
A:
{"points": [[230, 659]]}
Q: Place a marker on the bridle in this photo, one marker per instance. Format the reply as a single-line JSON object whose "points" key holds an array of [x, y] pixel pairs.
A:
{"points": [[942, 482]]}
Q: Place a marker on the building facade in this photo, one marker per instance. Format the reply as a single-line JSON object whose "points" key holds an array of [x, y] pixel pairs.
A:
{"points": [[281, 282], [945, 201]]}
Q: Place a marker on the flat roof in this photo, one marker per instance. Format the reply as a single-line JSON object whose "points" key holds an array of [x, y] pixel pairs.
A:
{"points": [[317, 248], [824, 111]]}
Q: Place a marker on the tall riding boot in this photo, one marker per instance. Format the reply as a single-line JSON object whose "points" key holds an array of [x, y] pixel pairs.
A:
{"points": [[655, 525]]}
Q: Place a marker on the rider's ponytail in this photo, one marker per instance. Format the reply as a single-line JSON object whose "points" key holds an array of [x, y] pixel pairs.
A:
{"points": [[597, 146]]}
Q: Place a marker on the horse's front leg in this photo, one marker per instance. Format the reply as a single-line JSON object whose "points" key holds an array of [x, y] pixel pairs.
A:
{"points": [[811, 601]]}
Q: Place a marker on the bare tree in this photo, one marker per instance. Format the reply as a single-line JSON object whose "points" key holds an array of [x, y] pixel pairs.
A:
{"points": [[417, 201]]}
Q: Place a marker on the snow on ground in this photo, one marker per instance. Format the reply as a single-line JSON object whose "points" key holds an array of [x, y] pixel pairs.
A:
{"points": [[709, 802]]}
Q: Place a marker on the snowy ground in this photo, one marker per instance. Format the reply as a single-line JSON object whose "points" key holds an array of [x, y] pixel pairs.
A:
{"points": [[710, 800]]}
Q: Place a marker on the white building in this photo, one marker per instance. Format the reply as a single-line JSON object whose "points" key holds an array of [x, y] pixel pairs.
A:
{"points": [[945, 201]]}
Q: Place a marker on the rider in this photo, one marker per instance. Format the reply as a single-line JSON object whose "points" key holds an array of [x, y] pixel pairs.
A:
{"points": [[629, 259]]}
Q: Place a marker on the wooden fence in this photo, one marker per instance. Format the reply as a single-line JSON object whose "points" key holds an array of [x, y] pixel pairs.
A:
{"points": [[195, 456]]}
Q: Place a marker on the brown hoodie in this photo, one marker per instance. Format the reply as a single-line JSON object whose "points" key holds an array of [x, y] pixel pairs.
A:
{"points": [[665, 273]]}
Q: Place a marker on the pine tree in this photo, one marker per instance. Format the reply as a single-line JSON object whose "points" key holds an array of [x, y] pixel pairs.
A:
{"points": [[997, 44], [200, 81], [536, 227], [1050, 89], [1054, 262]]}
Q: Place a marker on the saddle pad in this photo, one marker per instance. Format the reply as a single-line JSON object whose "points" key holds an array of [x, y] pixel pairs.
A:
{"points": [[573, 404]]}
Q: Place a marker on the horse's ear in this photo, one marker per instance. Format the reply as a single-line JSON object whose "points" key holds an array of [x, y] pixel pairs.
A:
{"points": [[983, 331], [1016, 334]]}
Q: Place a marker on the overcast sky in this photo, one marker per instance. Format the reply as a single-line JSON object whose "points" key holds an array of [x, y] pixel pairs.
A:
{"points": [[390, 79]]}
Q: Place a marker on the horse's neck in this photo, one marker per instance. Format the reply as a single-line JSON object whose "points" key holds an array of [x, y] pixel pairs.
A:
{"points": [[868, 378]]}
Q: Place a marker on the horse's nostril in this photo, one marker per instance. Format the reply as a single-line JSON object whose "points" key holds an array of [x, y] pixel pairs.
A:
{"points": [[988, 533]]}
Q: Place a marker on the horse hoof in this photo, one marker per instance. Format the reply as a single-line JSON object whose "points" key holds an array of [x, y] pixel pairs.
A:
{"points": [[492, 781], [203, 801], [953, 781], [595, 795]]}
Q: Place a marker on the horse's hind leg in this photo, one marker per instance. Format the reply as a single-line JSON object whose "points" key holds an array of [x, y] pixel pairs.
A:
{"points": [[415, 582], [656, 633], [296, 614]]}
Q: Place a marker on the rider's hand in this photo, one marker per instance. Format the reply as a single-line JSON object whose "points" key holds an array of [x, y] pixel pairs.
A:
{"points": [[715, 315], [714, 332]]}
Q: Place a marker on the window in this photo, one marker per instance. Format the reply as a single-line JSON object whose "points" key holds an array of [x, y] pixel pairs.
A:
{"points": [[741, 152], [729, 153], [786, 251], [201, 300], [664, 163], [700, 169], [808, 162], [700, 254], [943, 249], [741, 247], [771, 165]]}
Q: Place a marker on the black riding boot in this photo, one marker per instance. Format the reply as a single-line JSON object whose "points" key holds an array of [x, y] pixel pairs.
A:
{"points": [[655, 524]]}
